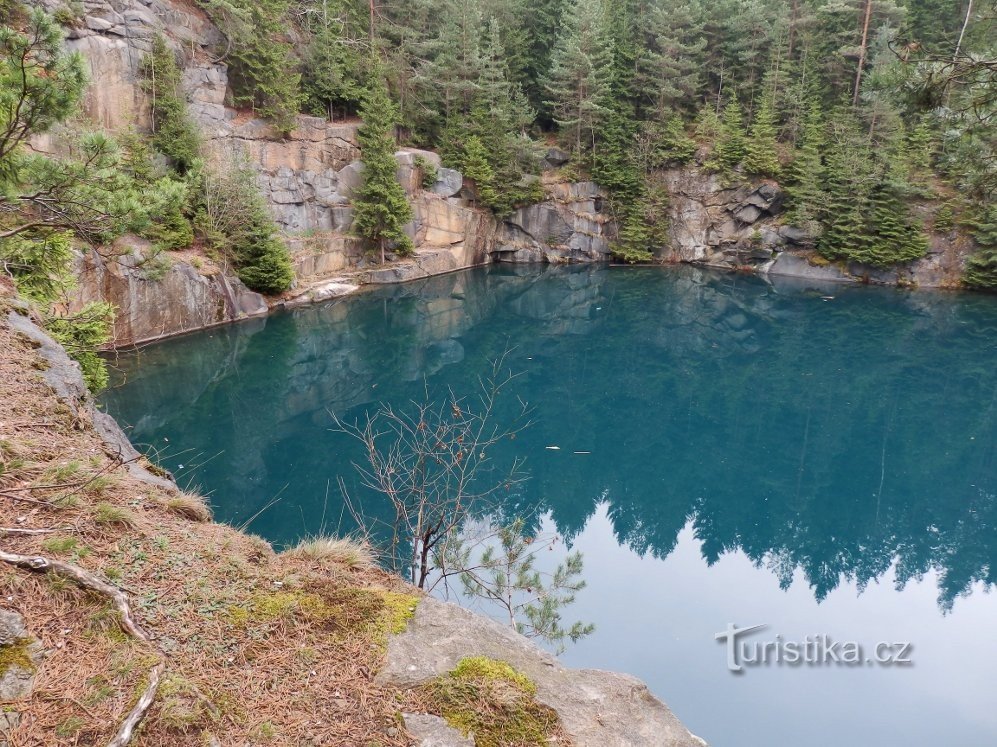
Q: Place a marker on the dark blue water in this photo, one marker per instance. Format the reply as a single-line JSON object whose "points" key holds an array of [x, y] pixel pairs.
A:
{"points": [[820, 460]]}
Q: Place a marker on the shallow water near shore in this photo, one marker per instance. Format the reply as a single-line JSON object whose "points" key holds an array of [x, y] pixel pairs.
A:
{"points": [[820, 460]]}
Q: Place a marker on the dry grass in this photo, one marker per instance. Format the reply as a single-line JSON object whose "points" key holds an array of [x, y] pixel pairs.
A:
{"points": [[262, 648], [345, 551], [190, 507]]}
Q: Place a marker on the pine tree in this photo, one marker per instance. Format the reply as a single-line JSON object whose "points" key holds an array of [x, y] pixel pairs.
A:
{"points": [[477, 168], [761, 156], [174, 133], [381, 206], [893, 239], [670, 65], [262, 74], [332, 70], [850, 178], [981, 269], [580, 74], [806, 174], [542, 20], [731, 146]]}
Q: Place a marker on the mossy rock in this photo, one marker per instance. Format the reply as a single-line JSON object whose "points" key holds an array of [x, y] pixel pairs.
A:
{"points": [[492, 701]]}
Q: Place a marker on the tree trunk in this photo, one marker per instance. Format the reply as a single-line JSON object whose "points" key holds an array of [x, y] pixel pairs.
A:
{"points": [[862, 51], [794, 18], [962, 33]]}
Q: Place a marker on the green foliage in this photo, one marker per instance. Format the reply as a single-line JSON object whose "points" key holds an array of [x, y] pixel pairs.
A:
{"points": [[664, 144], [234, 221], [40, 85], [580, 74], [944, 218], [731, 145], [807, 199], [981, 269], [644, 227], [476, 167], [428, 171], [261, 68], [174, 134], [81, 334], [381, 206], [761, 156], [867, 217], [505, 573], [333, 68], [39, 266]]}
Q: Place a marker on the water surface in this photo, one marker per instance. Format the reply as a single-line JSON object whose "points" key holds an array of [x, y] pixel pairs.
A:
{"points": [[821, 460]]}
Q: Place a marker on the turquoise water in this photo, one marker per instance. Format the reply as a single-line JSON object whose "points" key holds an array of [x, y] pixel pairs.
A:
{"points": [[820, 460]]}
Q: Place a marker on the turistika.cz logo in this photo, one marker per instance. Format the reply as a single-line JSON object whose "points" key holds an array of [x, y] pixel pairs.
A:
{"points": [[813, 651]]}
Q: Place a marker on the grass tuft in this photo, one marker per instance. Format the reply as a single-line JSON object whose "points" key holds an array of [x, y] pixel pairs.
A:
{"points": [[345, 551], [190, 507], [108, 513]]}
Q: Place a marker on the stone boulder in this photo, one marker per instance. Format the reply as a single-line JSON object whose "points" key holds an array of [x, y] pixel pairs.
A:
{"points": [[449, 183], [433, 731], [555, 158], [597, 709], [350, 179], [409, 173], [17, 677], [179, 299]]}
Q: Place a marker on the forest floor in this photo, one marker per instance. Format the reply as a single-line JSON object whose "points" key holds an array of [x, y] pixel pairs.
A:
{"points": [[254, 646]]}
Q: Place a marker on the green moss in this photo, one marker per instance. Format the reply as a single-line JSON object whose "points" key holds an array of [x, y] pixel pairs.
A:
{"points": [[493, 701], [181, 706], [341, 611], [483, 668], [399, 609], [16, 656]]}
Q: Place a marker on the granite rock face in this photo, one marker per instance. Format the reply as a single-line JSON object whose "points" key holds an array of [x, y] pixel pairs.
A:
{"points": [[161, 299], [714, 224], [570, 226]]}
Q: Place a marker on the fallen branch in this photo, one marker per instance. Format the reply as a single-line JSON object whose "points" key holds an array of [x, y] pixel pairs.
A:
{"points": [[7, 531], [87, 580]]}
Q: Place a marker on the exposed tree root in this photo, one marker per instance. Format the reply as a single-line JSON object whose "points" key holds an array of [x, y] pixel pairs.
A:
{"points": [[89, 581], [135, 716]]}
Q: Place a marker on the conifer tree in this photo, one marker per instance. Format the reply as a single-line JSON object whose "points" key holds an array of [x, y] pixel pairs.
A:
{"points": [[262, 74], [381, 206], [760, 155], [850, 178], [476, 167], [332, 73], [806, 174], [893, 240], [581, 74], [981, 269], [174, 133], [731, 146], [670, 66]]}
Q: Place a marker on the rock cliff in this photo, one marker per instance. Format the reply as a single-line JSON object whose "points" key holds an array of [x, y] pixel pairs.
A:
{"points": [[309, 177], [741, 226]]}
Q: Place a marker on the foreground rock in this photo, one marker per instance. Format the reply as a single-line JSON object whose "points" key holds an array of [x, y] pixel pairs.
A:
{"points": [[21, 655], [597, 709]]}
